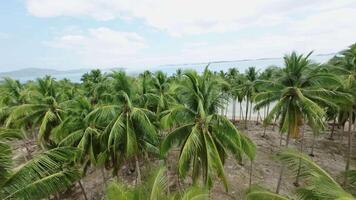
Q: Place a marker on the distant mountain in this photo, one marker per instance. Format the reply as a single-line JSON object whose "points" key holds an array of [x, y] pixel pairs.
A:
{"points": [[33, 73]]}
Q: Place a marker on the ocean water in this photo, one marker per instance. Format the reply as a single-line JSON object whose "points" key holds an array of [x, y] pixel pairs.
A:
{"points": [[241, 65]]}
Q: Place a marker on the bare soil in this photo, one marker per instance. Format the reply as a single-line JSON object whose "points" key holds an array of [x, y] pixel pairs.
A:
{"points": [[329, 154]]}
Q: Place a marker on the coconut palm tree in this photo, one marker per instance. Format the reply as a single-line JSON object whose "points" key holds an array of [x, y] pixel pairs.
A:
{"points": [[204, 137], [44, 109], [345, 65], [248, 90], [128, 129], [298, 94], [46, 174], [233, 78], [12, 94], [154, 189], [317, 183], [94, 84]]}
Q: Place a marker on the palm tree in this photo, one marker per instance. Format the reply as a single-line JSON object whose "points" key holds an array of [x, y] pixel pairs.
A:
{"points": [[12, 94], [318, 184], [204, 136], [47, 173], [298, 94], [44, 109], [154, 189], [345, 65], [77, 130], [94, 83], [233, 78], [248, 90], [128, 129]]}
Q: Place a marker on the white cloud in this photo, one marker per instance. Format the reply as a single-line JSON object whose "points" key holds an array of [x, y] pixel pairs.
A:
{"points": [[281, 26], [179, 17], [101, 46]]}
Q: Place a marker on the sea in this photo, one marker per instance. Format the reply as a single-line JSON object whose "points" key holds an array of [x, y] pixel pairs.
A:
{"points": [[241, 65], [169, 69]]}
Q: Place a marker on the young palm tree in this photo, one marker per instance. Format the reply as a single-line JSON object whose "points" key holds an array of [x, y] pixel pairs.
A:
{"points": [[318, 184], [298, 94], [204, 137], [154, 189]]}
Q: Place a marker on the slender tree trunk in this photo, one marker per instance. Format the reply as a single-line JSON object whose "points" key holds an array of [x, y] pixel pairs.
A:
{"points": [[226, 108], [349, 150], [332, 129], [103, 175], [313, 145], [167, 174], [265, 125], [251, 169], [241, 113], [282, 169], [138, 180], [264, 112], [258, 115], [250, 111], [83, 190], [274, 123], [234, 110], [296, 183], [247, 105]]}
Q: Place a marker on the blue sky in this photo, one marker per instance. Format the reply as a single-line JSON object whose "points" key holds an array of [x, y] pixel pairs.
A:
{"points": [[72, 34]]}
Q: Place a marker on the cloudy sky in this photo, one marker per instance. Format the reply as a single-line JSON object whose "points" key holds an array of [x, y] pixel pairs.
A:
{"points": [[70, 34]]}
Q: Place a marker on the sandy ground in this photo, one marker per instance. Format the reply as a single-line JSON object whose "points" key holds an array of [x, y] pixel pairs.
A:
{"points": [[328, 154]]}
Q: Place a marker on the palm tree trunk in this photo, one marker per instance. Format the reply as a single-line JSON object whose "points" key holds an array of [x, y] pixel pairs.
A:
{"points": [[227, 108], [282, 169], [258, 115], [167, 174], [83, 190], [332, 129], [265, 125], [349, 150], [241, 112], [274, 123], [247, 105], [296, 183], [251, 168], [103, 175], [264, 112], [138, 179], [250, 111], [234, 110], [313, 145]]}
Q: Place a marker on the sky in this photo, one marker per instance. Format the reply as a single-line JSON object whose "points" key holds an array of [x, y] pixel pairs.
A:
{"points": [[73, 34]]}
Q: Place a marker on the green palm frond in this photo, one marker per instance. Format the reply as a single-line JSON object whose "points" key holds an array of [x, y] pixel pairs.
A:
{"points": [[318, 182], [41, 176], [257, 193]]}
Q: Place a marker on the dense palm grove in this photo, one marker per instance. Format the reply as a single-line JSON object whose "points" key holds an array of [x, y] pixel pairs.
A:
{"points": [[108, 122]]}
